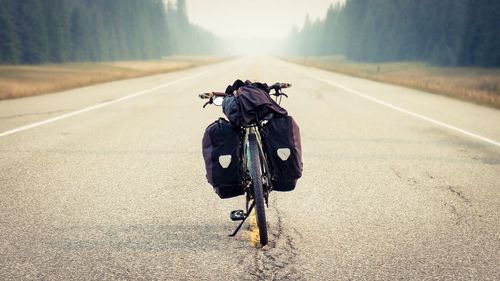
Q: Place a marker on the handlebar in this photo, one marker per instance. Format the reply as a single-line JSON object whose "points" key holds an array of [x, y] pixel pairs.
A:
{"points": [[276, 87], [211, 94]]}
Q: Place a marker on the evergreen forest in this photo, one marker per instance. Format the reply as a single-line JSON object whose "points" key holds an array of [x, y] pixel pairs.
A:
{"points": [[443, 32], [36, 31]]}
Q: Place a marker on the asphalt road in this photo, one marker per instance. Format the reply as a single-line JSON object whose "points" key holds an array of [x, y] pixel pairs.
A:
{"points": [[398, 184]]}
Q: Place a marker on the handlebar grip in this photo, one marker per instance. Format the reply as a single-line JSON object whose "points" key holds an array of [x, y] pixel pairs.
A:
{"points": [[279, 85], [204, 96], [212, 94]]}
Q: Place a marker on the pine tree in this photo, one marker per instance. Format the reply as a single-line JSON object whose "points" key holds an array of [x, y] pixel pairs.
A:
{"points": [[31, 31], [34, 31], [445, 32], [9, 42]]}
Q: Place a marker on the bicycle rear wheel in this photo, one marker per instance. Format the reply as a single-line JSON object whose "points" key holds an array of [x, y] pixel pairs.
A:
{"points": [[254, 167]]}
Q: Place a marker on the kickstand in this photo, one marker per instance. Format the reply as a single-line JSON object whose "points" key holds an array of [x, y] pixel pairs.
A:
{"points": [[246, 216]]}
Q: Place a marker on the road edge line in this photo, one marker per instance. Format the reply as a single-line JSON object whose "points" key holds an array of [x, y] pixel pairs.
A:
{"points": [[97, 106], [399, 109]]}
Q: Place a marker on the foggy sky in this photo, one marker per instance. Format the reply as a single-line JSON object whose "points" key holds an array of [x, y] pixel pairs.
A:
{"points": [[254, 18]]}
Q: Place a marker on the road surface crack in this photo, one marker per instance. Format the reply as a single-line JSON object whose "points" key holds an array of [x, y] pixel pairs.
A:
{"points": [[31, 114], [459, 194], [410, 180], [397, 173], [458, 217], [279, 259], [462, 207]]}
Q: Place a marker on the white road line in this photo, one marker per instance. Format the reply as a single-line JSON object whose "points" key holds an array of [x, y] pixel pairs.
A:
{"points": [[100, 105], [402, 110]]}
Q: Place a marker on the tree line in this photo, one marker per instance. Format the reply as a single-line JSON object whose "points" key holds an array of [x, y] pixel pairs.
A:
{"points": [[187, 38], [444, 32], [34, 31]]}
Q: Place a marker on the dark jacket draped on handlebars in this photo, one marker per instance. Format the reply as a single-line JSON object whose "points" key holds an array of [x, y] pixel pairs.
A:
{"points": [[251, 104]]}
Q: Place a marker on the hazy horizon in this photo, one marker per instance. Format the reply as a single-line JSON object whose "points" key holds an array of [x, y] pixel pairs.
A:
{"points": [[254, 19]]}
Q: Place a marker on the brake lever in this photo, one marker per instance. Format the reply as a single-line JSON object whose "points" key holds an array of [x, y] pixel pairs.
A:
{"points": [[210, 101], [278, 92]]}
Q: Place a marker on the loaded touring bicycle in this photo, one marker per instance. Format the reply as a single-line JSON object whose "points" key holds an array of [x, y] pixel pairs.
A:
{"points": [[257, 151]]}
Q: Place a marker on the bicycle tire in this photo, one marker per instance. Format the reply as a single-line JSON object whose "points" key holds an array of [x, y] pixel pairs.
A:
{"points": [[256, 175]]}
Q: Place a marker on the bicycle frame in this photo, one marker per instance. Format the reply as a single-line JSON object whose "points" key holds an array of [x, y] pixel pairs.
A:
{"points": [[254, 129], [266, 182]]}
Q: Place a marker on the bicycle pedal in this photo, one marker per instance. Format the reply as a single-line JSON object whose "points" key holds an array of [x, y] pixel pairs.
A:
{"points": [[237, 215]]}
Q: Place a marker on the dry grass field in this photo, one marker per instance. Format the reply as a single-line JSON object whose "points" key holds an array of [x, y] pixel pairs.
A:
{"points": [[479, 85], [28, 80]]}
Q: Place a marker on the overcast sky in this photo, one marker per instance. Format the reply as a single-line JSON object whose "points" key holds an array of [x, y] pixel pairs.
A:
{"points": [[254, 18]]}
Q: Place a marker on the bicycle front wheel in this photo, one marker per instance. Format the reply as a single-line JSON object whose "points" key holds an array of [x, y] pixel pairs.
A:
{"points": [[256, 175]]}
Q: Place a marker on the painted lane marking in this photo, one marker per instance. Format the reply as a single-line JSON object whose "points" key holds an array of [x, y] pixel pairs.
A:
{"points": [[402, 110], [100, 105]]}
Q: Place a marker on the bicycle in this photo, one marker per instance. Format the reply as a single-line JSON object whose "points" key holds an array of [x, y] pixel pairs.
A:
{"points": [[255, 166]]}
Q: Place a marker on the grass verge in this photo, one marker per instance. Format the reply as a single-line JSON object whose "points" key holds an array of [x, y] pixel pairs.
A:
{"points": [[478, 85], [28, 80]]}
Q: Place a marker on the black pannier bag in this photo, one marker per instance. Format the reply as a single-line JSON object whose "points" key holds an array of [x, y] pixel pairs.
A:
{"points": [[221, 151], [281, 139]]}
